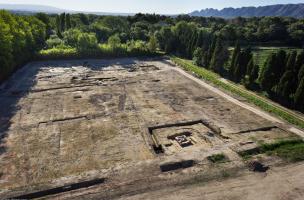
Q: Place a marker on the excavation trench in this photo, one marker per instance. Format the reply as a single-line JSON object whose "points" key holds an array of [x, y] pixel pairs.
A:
{"points": [[62, 189]]}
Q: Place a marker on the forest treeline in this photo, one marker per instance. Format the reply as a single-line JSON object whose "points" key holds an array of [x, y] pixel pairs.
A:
{"points": [[20, 38], [205, 40]]}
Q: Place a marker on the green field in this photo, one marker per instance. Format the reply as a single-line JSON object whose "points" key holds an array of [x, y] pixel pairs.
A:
{"points": [[260, 54]]}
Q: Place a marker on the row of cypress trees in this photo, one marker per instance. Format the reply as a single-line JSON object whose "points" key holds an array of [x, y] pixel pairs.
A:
{"points": [[242, 67], [212, 56], [63, 23], [282, 75]]}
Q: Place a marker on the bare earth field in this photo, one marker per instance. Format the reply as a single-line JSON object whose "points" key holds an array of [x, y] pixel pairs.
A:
{"points": [[133, 129]]}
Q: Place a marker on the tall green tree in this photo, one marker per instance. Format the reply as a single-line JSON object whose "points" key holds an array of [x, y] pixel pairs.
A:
{"points": [[299, 96], [58, 26], [6, 50], [210, 51], [290, 64], [267, 76], [68, 24], [286, 86], [299, 61], [62, 22], [251, 74], [219, 57], [236, 52], [301, 73], [198, 56], [152, 45], [280, 65]]}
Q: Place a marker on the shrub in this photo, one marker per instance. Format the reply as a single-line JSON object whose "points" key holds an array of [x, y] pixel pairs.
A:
{"points": [[87, 42], [53, 41], [216, 158], [114, 41]]}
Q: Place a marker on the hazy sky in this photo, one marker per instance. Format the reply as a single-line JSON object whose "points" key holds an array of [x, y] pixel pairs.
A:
{"points": [[151, 6]]}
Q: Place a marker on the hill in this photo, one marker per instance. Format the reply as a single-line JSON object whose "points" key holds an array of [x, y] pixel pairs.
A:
{"points": [[288, 10], [30, 9]]}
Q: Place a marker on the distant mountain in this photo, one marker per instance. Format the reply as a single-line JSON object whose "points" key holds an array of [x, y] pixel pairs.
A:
{"points": [[288, 10], [30, 9]]}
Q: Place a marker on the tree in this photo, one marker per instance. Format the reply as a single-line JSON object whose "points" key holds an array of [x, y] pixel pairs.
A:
{"points": [[58, 26], [299, 96], [46, 20], [68, 24], [20, 37], [280, 65], [267, 76], [84, 19], [114, 41], [102, 33], [70, 37], [183, 32], [220, 56], [198, 56], [211, 51], [115, 23], [152, 45], [166, 39], [246, 57], [299, 61], [290, 65], [286, 86], [236, 52], [62, 22], [301, 73], [53, 41], [252, 74], [240, 64], [86, 42], [6, 57]]}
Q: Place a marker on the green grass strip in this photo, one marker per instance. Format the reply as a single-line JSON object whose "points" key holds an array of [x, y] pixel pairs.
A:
{"points": [[214, 79], [289, 150]]}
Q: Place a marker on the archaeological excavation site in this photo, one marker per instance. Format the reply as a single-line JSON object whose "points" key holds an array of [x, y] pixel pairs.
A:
{"points": [[136, 129]]}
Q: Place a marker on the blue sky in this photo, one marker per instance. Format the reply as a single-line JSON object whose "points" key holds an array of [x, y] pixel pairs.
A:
{"points": [[150, 6]]}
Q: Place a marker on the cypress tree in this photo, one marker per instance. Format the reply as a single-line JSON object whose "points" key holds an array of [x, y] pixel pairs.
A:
{"points": [[205, 61], [211, 50], [299, 96], [58, 26], [62, 22], [290, 65], [200, 39], [198, 56], [246, 56], [279, 69], [237, 68], [68, 24], [251, 74], [266, 79], [191, 46], [254, 73], [219, 57], [250, 67], [236, 51], [299, 61], [286, 86], [301, 73]]}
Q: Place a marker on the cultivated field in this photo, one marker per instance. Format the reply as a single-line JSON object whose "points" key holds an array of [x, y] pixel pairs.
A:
{"points": [[136, 129]]}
